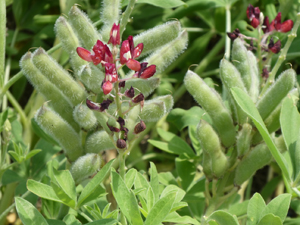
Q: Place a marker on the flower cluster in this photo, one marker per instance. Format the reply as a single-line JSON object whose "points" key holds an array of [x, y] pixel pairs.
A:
{"points": [[128, 54]]}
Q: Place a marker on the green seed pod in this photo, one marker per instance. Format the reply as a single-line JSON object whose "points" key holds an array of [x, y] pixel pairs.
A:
{"points": [[210, 83], [232, 78], [58, 76], [255, 77], [85, 166], [211, 101], [109, 15], [102, 120], [91, 77], [244, 139], [84, 117], [57, 100], [280, 144], [257, 158], [61, 131], [207, 165], [211, 144], [146, 86], [98, 142], [274, 95], [240, 60], [158, 36], [84, 28]]}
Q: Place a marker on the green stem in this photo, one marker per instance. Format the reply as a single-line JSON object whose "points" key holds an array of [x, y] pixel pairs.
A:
{"points": [[2, 39], [228, 29], [282, 55], [122, 174], [6, 200], [126, 15], [260, 67]]}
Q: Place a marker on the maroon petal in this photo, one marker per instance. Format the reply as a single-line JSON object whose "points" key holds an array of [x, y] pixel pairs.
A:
{"points": [[138, 50], [107, 87], [105, 104], [277, 21], [114, 35], [92, 105], [275, 48], [130, 92], [133, 65], [84, 54], [286, 26], [148, 72], [121, 121], [125, 52], [138, 98], [250, 11], [255, 22], [111, 72]]}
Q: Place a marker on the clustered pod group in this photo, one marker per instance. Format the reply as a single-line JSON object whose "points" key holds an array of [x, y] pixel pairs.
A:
{"points": [[82, 133], [231, 133]]}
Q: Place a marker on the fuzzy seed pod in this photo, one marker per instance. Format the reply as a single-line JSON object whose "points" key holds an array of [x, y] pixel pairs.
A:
{"points": [[98, 142], [255, 77], [102, 120], [210, 143], [146, 86], [91, 77], [121, 144], [84, 117], [58, 76], [244, 139], [158, 36], [140, 127], [274, 95], [85, 30], [113, 124], [207, 165], [232, 78], [61, 131], [57, 99], [85, 166], [211, 101], [257, 158]]}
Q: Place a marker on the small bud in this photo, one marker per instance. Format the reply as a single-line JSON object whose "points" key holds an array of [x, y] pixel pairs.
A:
{"points": [[121, 143], [130, 92], [84, 54], [140, 127], [286, 26], [138, 50], [105, 104], [232, 35], [107, 87], [122, 84], [138, 98], [275, 48], [148, 72], [114, 35], [121, 121]]}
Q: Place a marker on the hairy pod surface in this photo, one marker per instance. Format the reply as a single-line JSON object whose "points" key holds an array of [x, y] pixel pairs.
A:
{"points": [[102, 120], [61, 131], [58, 76], [98, 142], [210, 143], [241, 61], [207, 165], [145, 86], [57, 100], [257, 158], [212, 103], [109, 16], [85, 166], [84, 117], [91, 77], [244, 138], [274, 95], [131, 120], [84, 28], [255, 77], [232, 78], [158, 36]]}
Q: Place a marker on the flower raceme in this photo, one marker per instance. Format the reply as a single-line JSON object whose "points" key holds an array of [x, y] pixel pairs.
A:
{"points": [[128, 53]]}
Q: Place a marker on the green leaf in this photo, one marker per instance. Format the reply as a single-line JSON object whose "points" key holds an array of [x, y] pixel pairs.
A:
{"points": [[130, 177], [161, 209], [28, 213], [223, 218], [270, 219], [182, 118], [159, 3], [103, 222], [290, 128], [94, 183], [176, 218], [154, 181], [186, 171], [32, 153], [42, 190], [141, 183], [279, 206], [55, 222], [125, 199], [17, 157], [71, 220], [244, 101], [255, 207], [10, 176], [193, 136], [239, 209], [172, 188], [66, 183], [64, 197]]}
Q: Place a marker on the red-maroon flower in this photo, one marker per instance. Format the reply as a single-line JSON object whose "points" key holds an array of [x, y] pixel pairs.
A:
{"points": [[101, 53], [114, 35], [128, 53], [253, 15], [145, 72], [274, 47], [276, 24], [107, 87], [111, 72]]}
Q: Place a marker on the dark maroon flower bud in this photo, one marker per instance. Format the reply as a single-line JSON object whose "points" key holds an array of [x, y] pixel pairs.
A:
{"points": [[255, 22], [114, 35], [108, 57], [121, 121], [122, 84], [253, 15], [129, 93], [138, 98], [148, 72], [232, 36], [105, 104], [121, 143], [274, 47], [113, 129], [265, 73], [92, 105], [141, 126]]}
